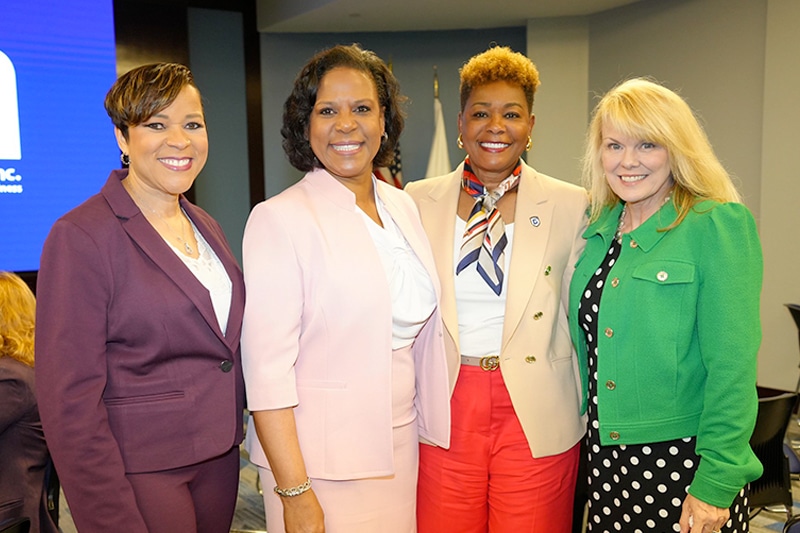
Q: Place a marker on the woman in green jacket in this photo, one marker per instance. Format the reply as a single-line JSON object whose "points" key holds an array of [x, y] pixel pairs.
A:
{"points": [[664, 313]]}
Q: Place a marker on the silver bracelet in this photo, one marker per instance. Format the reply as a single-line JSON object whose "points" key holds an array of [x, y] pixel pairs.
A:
{"points": [[294, 491]]}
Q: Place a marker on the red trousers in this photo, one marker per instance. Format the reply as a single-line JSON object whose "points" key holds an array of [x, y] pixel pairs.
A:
{"points": [[488, 481]]}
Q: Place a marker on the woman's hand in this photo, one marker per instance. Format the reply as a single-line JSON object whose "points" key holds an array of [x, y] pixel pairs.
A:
{"points": [[277, 433], [701, 517], [303, 513]]}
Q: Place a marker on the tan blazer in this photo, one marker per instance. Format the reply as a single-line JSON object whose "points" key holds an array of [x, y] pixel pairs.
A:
{"points": [[318, 329], [537, 357]]}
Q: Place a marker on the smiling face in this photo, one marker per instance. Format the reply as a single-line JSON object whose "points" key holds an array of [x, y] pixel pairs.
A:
{"points": [[346, 124], [494, 126], [168, 150], [638, 171]]}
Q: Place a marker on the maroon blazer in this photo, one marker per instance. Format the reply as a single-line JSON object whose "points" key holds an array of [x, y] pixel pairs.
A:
{"points": [[133, 372], [23, 452]]}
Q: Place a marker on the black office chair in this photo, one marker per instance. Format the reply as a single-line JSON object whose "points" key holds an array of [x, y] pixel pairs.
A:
{"points": [[792, 525], [794, 461], [15, 525], [794, 309], [52, 491], [774, 487]]}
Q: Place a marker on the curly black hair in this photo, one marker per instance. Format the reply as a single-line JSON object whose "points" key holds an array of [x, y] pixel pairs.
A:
{"points": [[300, 103]]}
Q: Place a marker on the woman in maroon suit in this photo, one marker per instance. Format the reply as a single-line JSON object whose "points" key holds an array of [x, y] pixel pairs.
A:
{"points": [[140, 308], [23, 453]]}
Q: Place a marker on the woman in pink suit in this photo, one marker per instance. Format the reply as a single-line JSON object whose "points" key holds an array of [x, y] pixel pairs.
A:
{"points": [[342, 341], [138, 322]]}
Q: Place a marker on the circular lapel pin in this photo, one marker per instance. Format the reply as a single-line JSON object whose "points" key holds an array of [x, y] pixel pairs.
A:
{"points": [[535, 222]]}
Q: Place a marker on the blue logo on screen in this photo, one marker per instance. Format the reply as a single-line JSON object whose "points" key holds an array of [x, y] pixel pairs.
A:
{"points": [[57, 61], [10, 146]]}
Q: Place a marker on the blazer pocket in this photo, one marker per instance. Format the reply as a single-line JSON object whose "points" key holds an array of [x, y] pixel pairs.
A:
{"points": [[666, 272], [145, 398]]}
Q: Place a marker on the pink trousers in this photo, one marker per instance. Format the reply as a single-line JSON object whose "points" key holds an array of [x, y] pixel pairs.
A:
{"points": [[488, 481]]}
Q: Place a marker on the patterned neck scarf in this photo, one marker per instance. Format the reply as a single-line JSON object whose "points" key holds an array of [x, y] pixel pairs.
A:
{"points": [[485, 239]]}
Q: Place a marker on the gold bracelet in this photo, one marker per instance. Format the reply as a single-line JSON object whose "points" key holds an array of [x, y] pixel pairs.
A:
{"points": [[294, 491]]}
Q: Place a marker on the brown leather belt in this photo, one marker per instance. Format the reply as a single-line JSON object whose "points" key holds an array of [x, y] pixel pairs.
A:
{"points": [[488, 363]]}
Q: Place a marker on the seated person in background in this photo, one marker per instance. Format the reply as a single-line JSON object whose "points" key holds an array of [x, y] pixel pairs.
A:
{"points": [[23, 453]]}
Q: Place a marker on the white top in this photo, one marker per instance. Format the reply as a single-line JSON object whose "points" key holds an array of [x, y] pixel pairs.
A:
{"points": [[411, 289], [209, 271], [480, 311]]}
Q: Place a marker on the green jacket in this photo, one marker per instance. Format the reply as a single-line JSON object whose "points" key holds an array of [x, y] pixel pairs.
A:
{"points": [[678, 337]]}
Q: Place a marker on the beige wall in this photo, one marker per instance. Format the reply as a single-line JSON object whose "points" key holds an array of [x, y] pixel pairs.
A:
{"points": [[737, 63], [780, 194], [560, 49]]}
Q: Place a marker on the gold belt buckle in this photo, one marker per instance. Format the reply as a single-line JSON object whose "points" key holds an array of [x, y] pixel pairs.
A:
{"points": [[490, 363]]}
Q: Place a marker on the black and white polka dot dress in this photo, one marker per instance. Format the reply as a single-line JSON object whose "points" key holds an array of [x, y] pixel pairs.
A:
{"points": [[635, 488]]}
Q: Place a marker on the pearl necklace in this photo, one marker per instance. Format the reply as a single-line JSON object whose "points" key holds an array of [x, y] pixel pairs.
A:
{"points": [[621, 223], [187, 248]]}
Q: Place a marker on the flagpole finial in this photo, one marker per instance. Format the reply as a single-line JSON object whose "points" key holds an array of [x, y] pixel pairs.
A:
{"points": [[435, 82]]}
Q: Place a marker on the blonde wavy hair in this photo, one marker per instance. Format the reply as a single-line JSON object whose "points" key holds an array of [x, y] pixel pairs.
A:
{"points": [[644, 109], [17, 318]]}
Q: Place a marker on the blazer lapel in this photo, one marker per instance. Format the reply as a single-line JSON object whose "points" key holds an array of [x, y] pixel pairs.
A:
{"points": [[150, 242], [413, 233], [439, 210], [220, 247], [532, 228]]}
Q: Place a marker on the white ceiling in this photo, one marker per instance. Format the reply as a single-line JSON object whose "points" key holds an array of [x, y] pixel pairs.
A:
{"points": [[299, 16]]}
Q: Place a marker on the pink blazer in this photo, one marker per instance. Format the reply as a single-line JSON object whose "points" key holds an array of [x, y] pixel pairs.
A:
{"points": [[317, 329]]}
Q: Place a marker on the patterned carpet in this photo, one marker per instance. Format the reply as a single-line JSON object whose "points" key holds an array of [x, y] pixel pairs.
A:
{"points": [[249, 516], [767, 522]]}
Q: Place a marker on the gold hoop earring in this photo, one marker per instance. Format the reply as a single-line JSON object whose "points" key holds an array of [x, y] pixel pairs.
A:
{"points": [[529, 145], [460, 142]]}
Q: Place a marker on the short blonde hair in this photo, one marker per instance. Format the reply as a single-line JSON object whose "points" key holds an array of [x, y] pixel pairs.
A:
{"points": [[499, 63], [17, 318], [643, 109]]}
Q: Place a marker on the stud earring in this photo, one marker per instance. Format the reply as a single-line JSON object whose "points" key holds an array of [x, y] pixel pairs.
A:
{"points": [[125, 158], [460, 142], [529, 145]]}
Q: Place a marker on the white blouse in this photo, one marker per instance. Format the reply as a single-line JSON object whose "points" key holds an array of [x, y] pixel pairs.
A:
{"points": [[481, 312], [209, 271], [410, 286]]}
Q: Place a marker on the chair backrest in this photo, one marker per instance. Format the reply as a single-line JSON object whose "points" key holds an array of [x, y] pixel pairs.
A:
{"points": [[15, 525], [794, 309], [774, 486], [773, 417]]}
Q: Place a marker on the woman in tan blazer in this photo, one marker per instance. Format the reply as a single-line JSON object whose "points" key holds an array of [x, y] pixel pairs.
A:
{"points": [[515, 400]]}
